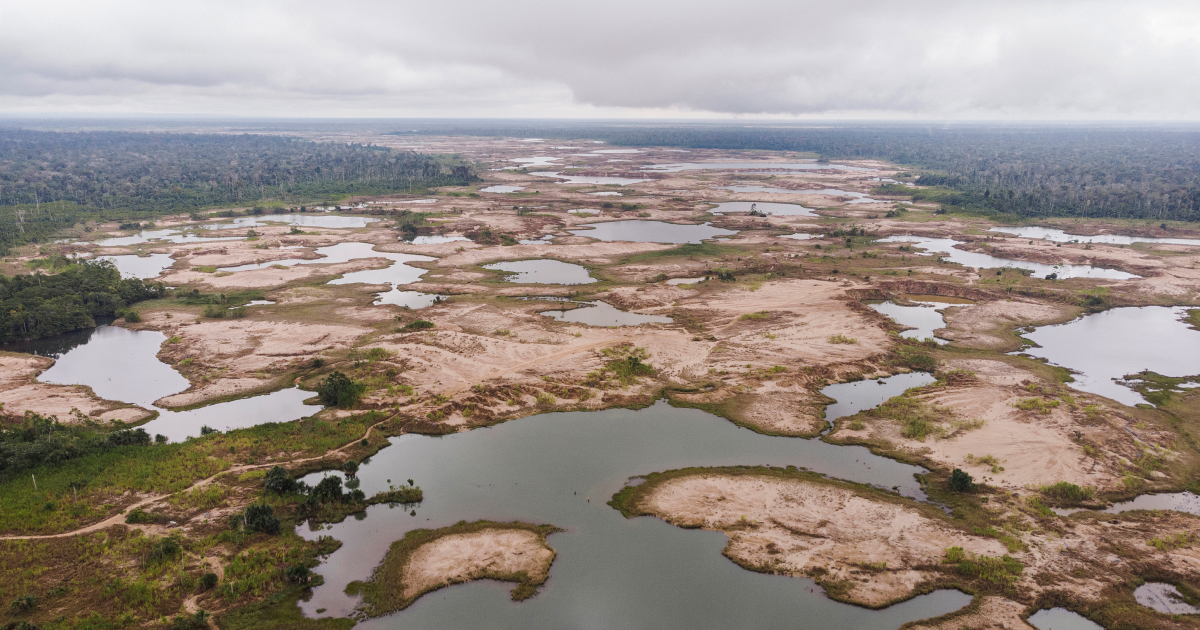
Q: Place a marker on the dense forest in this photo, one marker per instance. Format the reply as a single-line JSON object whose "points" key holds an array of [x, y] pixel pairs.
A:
{"points": [[40, 305], [51, 180], [1096, 171]]}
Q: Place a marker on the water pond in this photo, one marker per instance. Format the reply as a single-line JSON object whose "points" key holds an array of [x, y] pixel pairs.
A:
{"points": [[590, 179], [1133, 339], [856, 197], [604, 314], [166, 236], [610, 572], [947, 247], [540, 160], [1165, 598], [543, 271], [409, 299], [301, 220], [144, 267], [775, 209], [121, 365], [1060, 236], [744, 166], [502, 189], [650, 232], [397, 273], [800, 236], [679, 281], [606, 193], [1061, 619], [434, 239], [857, 396], [923, 319]]}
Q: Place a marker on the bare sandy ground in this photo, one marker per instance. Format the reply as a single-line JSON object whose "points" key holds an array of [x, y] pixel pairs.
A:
{"points": [[976, 325], [20, 392], [994, 613], [461, 558], [807, 528]]}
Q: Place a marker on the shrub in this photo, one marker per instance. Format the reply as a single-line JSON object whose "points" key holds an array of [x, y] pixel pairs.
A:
{"points": [[139, 516], [339, 390], [419, 324], [839, 338], [207, 430], [318, 362], [24, 602], [1064, 491], [261, 518], [756, 316], [214, 311], [132, 317], [960, 481], [278, 481], [207, 581], [298, 574]]}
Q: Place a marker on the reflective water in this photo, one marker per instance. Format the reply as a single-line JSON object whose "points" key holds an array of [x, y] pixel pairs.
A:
{"points": [[144, 267], [1111, 239], [607, 193], [345, 252], [678, 281], [604, 314], [923, 319], [800, 236], [776, 209], [167, 236], [502, 189], [1061, 619], [860, 395], [541, 160], [302, 220], [543, 272], [946, 247], [411, 299], [650, 232], [591, 179], [1104, 347], [610, 572], [435, 239], [1164, 598], [121, 365], [737, 166]]}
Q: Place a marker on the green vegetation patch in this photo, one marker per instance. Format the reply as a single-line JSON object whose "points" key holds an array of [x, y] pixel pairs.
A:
{"points": [[384, 592]]}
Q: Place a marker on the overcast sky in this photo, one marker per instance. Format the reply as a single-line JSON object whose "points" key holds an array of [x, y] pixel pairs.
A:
{"points": [[1000, 59]]}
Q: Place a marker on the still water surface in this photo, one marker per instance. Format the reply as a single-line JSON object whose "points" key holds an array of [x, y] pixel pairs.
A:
{"points": [[775, 209], [1061, 619], [650, 232], [1060, 236], [947, 247], [604, 314], [143, 267], [610, 572], [545, 271], [923, 319]]}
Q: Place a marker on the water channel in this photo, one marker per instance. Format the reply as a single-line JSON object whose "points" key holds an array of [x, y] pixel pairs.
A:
{"points": [[635, 231], [947, 247], [610, 572]]}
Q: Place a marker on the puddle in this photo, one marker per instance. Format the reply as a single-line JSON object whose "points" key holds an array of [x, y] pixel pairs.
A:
{"points": [[1134, 339], [679, 281], [259, 303], [589, 179], [502, 189], [543, 271], [739, 166], [608, 151], [854, 397], [604, 314], [165, 236], [1061, 619], [924, 319], [650, 232], [774, 209], [411, 299], [545, 240], [121, 365], [946, 247], [302, 220], [1164, 598], [144, 267], [800, 236], [611, 571], [1060, 236], [435, 240], [607, 193]]}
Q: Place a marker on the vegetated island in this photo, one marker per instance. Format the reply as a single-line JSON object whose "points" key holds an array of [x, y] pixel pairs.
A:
{"points": [[426, 560]]}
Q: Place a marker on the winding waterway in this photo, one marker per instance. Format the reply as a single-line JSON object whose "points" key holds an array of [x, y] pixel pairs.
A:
{"points": [[947, 247]]}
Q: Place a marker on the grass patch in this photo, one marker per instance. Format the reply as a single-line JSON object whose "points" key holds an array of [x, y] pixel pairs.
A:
{"points": [[839, 338]]}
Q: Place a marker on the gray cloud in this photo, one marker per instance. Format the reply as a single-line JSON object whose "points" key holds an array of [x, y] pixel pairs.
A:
{"points": [[922, 58]]}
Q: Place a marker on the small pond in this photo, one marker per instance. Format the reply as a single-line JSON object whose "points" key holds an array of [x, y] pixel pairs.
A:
{"points": [[590, 179], [1061, 619], [610, 572], [635, 231], [923, 319], [745, 166], [766, 207], [543, 271], [947, 247], [1060, 236], [1132, 339], [679, 281], [1165, 598], [860, 395], [434, 239], [410, 299], [800, 236], [144, 267], [604, 314], [541, 160], [502, 189], [606, 193], [301, 220], [856, 197], [397, 273], [120, 364]]}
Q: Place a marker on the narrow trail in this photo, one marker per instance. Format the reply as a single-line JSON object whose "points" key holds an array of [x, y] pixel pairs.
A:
{"points": [[119, 518]]}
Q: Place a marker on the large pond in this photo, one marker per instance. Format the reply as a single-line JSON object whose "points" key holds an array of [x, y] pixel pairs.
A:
{"points": [[1104, 347], [591, 179], [143, 267], [947, 247], [1051, 234], [776, 209], [543, 272], [604, 314], [120, 364], [650, 232], [923, 319], [610, 572], [301, 220], [743, 166]]}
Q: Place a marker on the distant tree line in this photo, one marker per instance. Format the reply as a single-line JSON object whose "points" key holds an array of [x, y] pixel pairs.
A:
{"points": [[1030, 171], [40, 305], [52, 180]]}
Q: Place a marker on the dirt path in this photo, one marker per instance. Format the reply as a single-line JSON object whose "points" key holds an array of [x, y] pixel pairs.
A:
{"points": [[117, 519]]}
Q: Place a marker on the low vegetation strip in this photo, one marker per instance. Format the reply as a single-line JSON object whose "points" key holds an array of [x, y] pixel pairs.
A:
{"points": [[426, 560]]}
